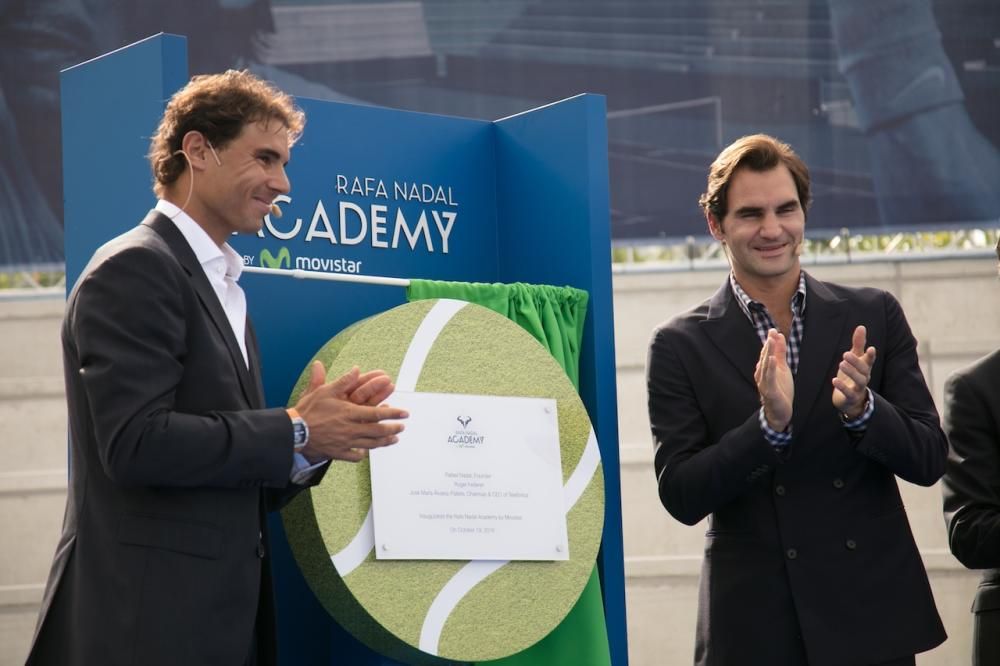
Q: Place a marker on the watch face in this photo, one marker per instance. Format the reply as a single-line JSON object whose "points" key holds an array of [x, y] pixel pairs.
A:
{"points": [[300, 434]]}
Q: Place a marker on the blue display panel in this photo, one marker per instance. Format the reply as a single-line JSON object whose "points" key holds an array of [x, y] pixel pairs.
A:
{"points": [[374, 192]]}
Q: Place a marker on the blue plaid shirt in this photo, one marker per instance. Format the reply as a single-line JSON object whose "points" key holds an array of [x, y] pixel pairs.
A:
{"points": [[762, 323]]}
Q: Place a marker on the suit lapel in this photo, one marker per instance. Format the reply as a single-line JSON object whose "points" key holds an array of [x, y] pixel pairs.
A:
{"points": [[162, 225], [826, 315], [253, 353], [825, 318], [732, 332]]}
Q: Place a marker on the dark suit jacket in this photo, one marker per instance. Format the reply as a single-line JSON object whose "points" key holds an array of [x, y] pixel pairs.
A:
{"points": [[808, 554], [971, 482], [162, 557]]}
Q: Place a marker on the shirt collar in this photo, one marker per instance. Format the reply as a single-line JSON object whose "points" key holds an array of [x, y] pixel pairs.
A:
{"points": [[204, 248], [746, 303]]}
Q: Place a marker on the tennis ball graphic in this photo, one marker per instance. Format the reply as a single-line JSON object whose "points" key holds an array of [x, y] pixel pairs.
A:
{"points": [[435, 611]]}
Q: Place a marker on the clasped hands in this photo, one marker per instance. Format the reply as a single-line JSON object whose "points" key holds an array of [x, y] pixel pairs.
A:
{"points": [[776, 386], [346, 416]]}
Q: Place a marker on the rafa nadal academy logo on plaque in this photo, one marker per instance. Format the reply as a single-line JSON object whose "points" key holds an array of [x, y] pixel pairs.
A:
{"points": [[465, 438]]}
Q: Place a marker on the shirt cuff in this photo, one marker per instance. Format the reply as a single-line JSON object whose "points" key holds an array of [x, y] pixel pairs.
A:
{"points": [[860, 424], [778, 440], [302, 471]]}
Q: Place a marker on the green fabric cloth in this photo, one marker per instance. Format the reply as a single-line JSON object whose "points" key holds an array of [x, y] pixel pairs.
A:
{"points": [[554, 316]]}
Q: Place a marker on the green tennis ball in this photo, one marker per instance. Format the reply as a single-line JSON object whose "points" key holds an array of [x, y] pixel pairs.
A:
{"points": [[385, 603]]}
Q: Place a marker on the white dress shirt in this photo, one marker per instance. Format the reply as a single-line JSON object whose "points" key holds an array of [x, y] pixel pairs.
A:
{"points": [[223, 267]]}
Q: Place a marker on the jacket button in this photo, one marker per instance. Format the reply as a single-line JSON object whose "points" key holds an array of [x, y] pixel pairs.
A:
{"points": [[851, 544], [779, 490], [792, 553], [260, 549], [838, 483]]}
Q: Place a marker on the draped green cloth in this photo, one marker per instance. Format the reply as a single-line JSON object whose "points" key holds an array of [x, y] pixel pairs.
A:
{"points": [[554, 316]]}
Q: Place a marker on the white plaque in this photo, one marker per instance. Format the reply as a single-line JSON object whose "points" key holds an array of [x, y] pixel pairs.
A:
{"points": [[473, 477]]}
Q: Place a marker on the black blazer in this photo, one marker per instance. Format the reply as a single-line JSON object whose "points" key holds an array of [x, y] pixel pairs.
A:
{"points": [[810, 554], [971, 482], [162, 557]]}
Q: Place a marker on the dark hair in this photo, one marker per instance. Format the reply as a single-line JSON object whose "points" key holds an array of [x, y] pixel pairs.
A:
{"points": [[218, 106], [757, 152]]}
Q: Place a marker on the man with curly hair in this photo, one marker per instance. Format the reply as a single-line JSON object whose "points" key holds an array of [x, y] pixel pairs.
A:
{"points": [[163, 557]]}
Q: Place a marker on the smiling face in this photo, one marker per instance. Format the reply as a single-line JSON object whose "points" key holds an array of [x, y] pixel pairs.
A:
{"points": [[233, 194], [763, 228]]}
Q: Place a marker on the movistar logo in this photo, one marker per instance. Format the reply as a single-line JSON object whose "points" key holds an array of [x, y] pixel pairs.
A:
{"points": [[283, 260]]}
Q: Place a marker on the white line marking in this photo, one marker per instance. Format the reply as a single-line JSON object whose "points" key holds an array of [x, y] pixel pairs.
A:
{"points": [[423, 340], [584, 472], [453, 591], [351, 557], [475, 572]]}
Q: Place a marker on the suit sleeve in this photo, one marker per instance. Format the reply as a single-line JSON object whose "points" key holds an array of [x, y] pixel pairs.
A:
{"points": [[904, 433], [126, 329], [971, 484], [694, 474]]}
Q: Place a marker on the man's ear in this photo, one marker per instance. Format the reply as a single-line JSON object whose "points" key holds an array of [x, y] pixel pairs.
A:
{"points": [[715, 227], [195, 147]]}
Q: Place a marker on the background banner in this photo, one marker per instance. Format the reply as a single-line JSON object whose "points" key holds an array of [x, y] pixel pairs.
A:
{"points": [[892, 104]]}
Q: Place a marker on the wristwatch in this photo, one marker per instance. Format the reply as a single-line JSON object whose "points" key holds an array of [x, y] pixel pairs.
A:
{"points": [[848, 419], [300, 429]]}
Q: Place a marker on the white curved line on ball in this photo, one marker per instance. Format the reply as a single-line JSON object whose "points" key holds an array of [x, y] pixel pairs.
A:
{"points": [[460, 584], [584, 472], [351, 557], [474, 572], [434, 321]]}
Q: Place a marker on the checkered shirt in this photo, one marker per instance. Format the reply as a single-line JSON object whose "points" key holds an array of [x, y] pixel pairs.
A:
{"points": [[762, 323]]}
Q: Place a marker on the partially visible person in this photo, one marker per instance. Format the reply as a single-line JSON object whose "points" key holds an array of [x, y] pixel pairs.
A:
{"points": [[971, 488], [163, 558], [783, 408]]}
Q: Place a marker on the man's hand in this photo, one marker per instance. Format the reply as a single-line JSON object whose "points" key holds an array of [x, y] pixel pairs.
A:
{"points": [[775, 384], [346, 416], [850, 386]]}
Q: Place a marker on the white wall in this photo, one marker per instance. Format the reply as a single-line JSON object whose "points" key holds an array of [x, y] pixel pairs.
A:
{"points": [[32, 463]]}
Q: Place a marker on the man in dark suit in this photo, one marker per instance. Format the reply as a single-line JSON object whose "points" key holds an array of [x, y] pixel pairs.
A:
{"points": [[771, 415], [174, 458], [971, 488]]}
